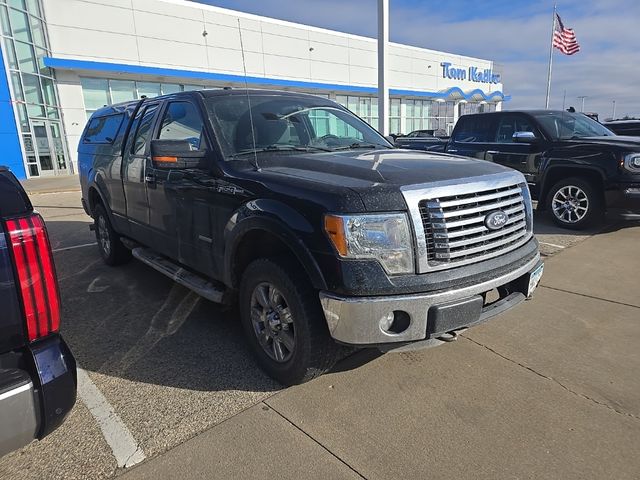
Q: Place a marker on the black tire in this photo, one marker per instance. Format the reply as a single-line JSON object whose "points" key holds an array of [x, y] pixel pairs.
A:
{"points": [[580, 194], [112, 251], [314, 351]]}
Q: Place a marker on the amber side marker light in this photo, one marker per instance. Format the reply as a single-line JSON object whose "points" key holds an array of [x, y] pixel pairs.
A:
{"points": [[334, 226], [165, 159]]}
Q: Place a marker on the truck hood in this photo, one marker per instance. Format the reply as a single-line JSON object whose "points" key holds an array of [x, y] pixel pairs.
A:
{"points": [[619, 141], [376, 175]]}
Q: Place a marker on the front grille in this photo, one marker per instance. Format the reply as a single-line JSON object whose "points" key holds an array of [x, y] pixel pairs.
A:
{"points": [[455, 225]]}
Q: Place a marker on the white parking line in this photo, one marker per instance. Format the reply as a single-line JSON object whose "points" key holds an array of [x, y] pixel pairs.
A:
{"points": [[551, 244], [124, 447], [74, 246]]}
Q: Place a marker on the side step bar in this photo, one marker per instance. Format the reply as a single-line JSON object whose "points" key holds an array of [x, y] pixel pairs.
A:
{"points": [[192, 281]]}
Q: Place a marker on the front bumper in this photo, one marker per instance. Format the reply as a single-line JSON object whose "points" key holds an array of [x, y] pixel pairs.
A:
{"points": [[356, 320]]}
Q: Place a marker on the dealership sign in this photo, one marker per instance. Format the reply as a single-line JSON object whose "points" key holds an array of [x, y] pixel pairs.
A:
{"points": [[474, 74]]}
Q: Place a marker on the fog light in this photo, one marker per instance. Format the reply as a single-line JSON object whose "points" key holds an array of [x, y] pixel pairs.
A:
{"points": [[395, 322]]}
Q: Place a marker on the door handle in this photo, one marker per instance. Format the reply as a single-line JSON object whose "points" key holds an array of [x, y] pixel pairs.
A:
{"points": [[150, 178], [493, 152], [451, 150]]}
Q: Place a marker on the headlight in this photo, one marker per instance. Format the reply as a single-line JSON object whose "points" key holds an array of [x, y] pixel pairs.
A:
{"points": [[632, 162], [384, 237]]}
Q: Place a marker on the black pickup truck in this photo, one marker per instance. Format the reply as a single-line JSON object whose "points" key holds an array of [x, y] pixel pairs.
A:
{"points": [[296, 210], [37, 370], [576, 168]]}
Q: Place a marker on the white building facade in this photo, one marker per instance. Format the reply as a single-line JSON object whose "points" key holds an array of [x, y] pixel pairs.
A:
{"points": [[63, 59]]}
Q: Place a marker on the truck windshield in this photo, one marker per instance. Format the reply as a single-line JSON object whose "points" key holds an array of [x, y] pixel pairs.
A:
{"points": [[567, 125], [287, 123]]}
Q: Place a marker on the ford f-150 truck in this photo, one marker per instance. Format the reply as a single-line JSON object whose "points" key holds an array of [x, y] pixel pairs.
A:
{"points": [[576, 168], [37, 370], [323, 234]]}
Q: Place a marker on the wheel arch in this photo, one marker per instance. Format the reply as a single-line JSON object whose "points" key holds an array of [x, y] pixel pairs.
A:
{"points": [[555, 174]]}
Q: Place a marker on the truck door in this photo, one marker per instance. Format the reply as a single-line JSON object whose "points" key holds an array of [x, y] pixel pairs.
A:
{"points": [[182, 201], [133, 172], [523, 157], [472, 136]]}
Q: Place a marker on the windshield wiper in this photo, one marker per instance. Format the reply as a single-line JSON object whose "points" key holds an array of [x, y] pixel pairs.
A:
{"points": [[360, 145], [281, 148]]}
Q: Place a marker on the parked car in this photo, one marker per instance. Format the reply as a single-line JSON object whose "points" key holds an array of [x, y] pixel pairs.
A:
{"points": [[630, 128], [576, 168], [421, 140], [37, 370], [298, 211]]}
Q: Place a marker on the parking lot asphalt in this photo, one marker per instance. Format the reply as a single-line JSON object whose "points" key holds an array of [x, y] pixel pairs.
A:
{"points": [[548, 390]]}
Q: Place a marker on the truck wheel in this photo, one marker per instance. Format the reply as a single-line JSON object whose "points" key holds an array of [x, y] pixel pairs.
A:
{"points": [[574, 203], [284, 323], [112, 251]]}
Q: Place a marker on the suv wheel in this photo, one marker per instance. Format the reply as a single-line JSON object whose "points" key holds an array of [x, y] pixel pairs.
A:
{"points": [[284, 323], [574, 203], [112, 251]]}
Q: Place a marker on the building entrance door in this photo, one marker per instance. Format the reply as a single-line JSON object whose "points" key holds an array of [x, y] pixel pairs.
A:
{"points": [[49, 148]]}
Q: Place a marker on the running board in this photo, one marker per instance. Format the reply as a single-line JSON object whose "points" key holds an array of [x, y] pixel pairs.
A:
{"points": [[178, 274]]}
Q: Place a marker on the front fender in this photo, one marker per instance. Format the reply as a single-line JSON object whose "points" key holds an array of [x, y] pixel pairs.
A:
{"points": [[279, 220]]}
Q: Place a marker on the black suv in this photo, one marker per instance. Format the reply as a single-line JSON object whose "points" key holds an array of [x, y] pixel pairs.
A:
{"points": [[320, 230], [576, 168], [628, 128]]}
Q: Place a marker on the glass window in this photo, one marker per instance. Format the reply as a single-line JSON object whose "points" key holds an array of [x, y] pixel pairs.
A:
{"points": [[95, 92], [22, 116], [4, 21], [474, 128], [122, 90], [17, 86], [144, 129], [182, 121], [34, 7], [40, 54], [48, 91], [26, 57], [170, 88], [37, 32], [19, 25], [148, 89], [53, 113], [103, 129], [188, 88], [35, 110], [342, 100], [565, 125], [32, 92], [17, 4]]}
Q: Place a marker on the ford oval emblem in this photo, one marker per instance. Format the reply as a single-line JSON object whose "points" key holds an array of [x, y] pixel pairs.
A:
{"points": [[496, 220]]}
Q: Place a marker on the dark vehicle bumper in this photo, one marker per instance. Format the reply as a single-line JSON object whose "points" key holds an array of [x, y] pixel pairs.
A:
{"points": [[37, 391], [358, 320], [624, 201]]}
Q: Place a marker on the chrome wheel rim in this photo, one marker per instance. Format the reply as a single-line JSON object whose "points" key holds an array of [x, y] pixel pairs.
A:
{"points": [[570, 204], [103, 236], [273, 322]]}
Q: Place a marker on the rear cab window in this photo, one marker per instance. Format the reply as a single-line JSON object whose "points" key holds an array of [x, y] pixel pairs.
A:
{"points": [[474, 129], [103, 129]]}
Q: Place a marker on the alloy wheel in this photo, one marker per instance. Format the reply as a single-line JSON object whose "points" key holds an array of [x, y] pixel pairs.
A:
{"points": [[570, 204], [103, 235], [273, 322]]}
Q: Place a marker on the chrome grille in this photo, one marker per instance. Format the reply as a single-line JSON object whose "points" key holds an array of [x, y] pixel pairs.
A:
{"points": [[450, 220]]}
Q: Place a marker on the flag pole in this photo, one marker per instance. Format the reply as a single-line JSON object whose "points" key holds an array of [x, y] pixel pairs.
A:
{"points": [[553, 29]]}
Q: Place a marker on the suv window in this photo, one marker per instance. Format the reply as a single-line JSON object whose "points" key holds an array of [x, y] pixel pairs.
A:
{"points": [[182, 121], [144, 128], [103, 129], [474, 128], [510, 124]]}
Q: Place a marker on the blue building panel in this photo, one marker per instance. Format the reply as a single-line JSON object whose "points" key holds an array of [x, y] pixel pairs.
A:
{"points": [[10, 150]]}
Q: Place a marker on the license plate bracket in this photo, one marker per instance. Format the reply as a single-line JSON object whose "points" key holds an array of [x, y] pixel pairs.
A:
{"points": [[534, 279]]}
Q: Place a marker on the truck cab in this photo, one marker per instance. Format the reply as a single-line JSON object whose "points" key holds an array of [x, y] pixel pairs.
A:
{"points": [[322, 233]]}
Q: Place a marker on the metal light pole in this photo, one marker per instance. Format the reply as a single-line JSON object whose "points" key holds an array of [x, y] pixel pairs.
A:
{"points": [[613, 116], [383, 47], [582, 97]]}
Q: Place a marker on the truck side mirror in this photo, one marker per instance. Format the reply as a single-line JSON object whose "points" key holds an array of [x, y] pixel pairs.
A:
{"points": [[524, 137], [176, 154]]}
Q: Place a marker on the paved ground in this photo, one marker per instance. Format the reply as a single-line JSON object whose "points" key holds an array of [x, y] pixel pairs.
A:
{"points": [[547, 391]]}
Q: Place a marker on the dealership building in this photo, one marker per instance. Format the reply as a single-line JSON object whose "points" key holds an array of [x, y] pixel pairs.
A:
{"points": [[61, 60]]}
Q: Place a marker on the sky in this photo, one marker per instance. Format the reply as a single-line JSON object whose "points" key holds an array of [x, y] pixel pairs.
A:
{"points": [[513, 33]]}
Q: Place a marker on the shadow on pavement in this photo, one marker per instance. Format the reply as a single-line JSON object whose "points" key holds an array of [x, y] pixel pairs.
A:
{"points": [[543, 225]]}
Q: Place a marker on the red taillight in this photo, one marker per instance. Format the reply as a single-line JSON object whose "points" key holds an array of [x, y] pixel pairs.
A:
{"points": [[36, 275]]}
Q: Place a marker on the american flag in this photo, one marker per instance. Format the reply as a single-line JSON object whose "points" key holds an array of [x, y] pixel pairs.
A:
{"points": [[564, 39]]}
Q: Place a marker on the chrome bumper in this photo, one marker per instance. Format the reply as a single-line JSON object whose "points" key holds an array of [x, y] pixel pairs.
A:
{"points": [[18, 415], [356, 320]]}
